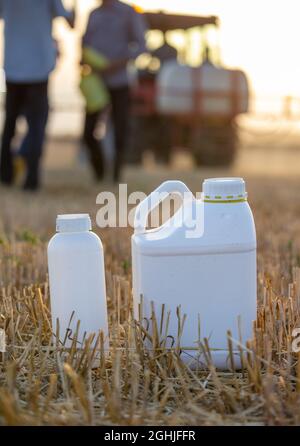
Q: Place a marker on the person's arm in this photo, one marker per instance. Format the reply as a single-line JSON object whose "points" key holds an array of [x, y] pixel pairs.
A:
{"points": [[137, 34], [100, 64], [58, 10], [87, 38], [113, 66]]}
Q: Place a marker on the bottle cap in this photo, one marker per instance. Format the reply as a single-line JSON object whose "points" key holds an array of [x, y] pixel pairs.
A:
{"points": [[224, 190], [73, 223]]}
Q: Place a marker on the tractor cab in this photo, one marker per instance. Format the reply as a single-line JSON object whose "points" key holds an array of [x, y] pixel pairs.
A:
{"points": [[143, 92], [182, 96]]}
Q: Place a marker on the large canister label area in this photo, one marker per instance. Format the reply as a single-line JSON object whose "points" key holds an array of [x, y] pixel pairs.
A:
{"points": [[217, 293]]}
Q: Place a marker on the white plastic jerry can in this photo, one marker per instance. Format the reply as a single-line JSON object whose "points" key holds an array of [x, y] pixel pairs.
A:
{"points": [[200, 263], [77, 281]]}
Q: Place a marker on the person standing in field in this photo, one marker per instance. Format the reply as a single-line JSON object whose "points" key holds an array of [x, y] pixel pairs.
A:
{"points": [[117, 32], [29, 58]]}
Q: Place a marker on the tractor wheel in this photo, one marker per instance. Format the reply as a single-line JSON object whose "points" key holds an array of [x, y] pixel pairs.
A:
{"points": [[214, 145], [149, 133]]}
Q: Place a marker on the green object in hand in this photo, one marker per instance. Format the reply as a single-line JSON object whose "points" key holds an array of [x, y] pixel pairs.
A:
{"points": [[91, 85]]}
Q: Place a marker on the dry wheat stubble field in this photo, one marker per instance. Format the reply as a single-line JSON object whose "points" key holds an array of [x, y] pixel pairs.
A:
{"points": [[42, 385]]}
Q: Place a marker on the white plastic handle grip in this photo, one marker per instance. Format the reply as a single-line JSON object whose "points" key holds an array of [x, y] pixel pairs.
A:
{"points": [[154, 199]]}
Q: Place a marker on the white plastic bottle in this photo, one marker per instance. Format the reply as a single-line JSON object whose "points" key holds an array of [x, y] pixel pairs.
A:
{"points": [[77, 280], [210, 274]]}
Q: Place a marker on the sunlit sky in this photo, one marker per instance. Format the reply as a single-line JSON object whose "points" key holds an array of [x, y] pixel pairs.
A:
{"points": [[260, 36]]}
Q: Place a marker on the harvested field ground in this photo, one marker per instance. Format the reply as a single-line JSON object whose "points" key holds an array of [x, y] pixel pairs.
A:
{"points": [[40, 385]]}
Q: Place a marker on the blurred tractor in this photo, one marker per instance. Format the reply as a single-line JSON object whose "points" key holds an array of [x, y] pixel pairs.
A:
{"points": [[178, 105]]}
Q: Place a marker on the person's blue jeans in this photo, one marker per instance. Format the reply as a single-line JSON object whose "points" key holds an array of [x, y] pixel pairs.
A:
{"points": [[120, 103], [30, 100]]}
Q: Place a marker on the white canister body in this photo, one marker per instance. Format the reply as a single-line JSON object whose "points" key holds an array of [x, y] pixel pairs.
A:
{"points": [[77, 284], [212, 278]]}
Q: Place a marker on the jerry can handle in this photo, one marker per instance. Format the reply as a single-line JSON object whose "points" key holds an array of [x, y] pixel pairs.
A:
{"points": [[154, 199]]}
